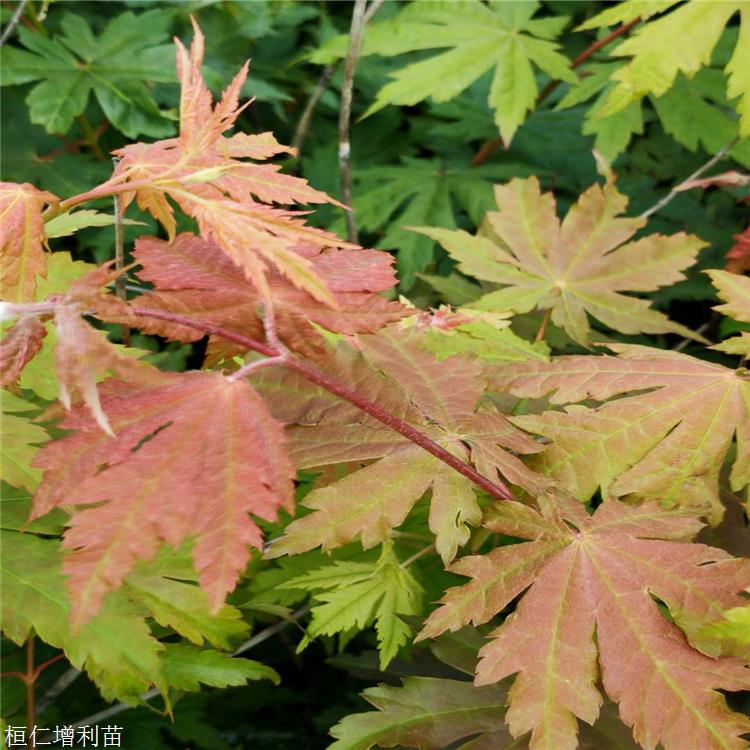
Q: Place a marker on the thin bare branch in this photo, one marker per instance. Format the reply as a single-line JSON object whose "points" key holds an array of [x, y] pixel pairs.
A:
{"points": [[14, 19], [62, 683], [345, 113], [304, 121], [717, 157], [325, 78]]}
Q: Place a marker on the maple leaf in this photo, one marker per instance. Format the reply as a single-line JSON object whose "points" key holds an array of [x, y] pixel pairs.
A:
{"points": [[185, 666], [193, 456], [695, 28], [165, 587], [694, 111], [21, 239], [21, 438], [442, 399], [735, 291], [738, 256], [356, 594], [116, 64], [432, 713], [115, 647], [665, 439], [20, 345], [733, 630], [389, 199], [202, 172], [588, 575], [500, 37], [194, 277], [580, 266]]}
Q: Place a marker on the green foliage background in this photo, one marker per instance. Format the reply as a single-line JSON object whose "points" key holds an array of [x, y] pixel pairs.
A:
{"points": [[92, 76]]}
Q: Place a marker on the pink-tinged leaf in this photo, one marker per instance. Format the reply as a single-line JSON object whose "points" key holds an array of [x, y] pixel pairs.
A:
{"points": [[194, 455], [22, 239], [193, 277], [665, 438], [441, 400], [738, 256], [578, 267], [733, 178], [599, 578], [20, 344], [81, 354], [231, 200]]}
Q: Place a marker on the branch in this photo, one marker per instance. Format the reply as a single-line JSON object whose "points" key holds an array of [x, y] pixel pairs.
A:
{"points": [[14, 19], [717, 157], [489, 148], [345, 149], [304, 121], [497, 490]]}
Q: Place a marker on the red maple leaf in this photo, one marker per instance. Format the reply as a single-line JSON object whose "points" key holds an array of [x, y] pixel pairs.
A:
{"points": [[194, 455], [193, 277]]}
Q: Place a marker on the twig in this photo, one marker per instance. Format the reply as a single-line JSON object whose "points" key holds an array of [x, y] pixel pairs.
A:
{"points": [[14, 19], [489, 148], [543, 326], [62, 683], [30, 682], [263, 635], [271, 630], [304, 121], [424, 551], [325, 78], [717, 157], [309, 371], [345, 113]]}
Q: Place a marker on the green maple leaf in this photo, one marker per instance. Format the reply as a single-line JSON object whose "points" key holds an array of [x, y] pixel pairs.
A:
{"points": [[186, 666], [115, 648], [418, 192], [115, 65], [167, 588], [21, 439], [574, 268], [501, 36], [694, 29], [354, 595], [694, 111]]}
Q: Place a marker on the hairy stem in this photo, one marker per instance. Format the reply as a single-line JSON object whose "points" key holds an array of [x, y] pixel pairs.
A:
{"points": [[489, 148], [312, 373]]}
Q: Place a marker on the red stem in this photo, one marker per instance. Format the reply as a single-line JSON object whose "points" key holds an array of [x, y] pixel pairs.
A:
{"points": [[490, 147], [30, 681], [314, 375]]}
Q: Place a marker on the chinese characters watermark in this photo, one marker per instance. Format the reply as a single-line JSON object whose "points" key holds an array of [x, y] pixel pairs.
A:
{"points": [[64, 736]]}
